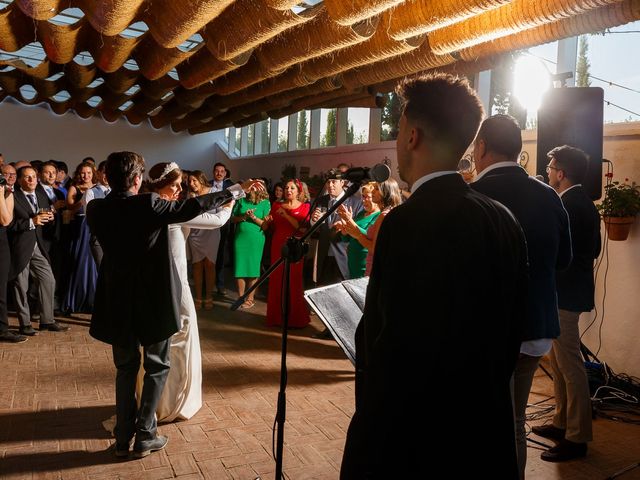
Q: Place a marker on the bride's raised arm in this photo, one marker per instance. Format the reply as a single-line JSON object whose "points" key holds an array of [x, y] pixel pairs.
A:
{"points": [[209, 220]]}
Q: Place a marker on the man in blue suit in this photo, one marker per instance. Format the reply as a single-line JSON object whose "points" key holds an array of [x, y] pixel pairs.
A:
{"points": [[572, 420], [546, 228]]}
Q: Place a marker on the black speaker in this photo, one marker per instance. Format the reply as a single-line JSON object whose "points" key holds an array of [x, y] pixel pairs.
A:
{"points": [[573, 116]]}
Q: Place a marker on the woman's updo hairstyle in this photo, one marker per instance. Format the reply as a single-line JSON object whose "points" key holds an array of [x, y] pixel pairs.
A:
{"points": [[162, 174]]}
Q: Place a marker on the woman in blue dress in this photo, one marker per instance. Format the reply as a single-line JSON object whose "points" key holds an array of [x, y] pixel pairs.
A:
{"points": [[83, 270]]}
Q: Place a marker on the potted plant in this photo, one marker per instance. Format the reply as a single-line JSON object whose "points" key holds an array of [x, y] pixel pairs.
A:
{"points": [[619, 208]]}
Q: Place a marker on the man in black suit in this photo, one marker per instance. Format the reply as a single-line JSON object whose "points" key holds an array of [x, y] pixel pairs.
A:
{"points": [[220, 182], [332, 263], [138, 292], [575, 286], [545, 223], [332, 247], [442, 319], [29, 252]]}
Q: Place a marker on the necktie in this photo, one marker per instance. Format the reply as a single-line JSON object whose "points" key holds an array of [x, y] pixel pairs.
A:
{"points": [[32, 200], [332, 217]]}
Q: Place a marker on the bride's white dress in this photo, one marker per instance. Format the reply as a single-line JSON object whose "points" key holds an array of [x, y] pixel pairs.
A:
{"points": [[182, 394]]}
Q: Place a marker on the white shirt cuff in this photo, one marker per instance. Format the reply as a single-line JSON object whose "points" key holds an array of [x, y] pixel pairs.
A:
{"points": [[237, 191]]}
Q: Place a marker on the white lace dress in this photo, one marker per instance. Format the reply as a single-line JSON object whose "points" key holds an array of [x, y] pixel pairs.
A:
{"points": [[182, 394]]}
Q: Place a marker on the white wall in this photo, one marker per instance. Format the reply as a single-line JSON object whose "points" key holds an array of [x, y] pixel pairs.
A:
{"points": [[36, 133]]}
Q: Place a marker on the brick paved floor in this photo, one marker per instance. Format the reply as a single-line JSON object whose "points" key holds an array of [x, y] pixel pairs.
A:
{"points": [[57, 389]]}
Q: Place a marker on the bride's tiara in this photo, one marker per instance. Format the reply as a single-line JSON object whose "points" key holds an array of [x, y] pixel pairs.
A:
{"points": [[168, 169]]}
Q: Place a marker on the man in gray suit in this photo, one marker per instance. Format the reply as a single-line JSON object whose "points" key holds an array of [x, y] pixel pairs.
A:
{"points": [[29, 252]]}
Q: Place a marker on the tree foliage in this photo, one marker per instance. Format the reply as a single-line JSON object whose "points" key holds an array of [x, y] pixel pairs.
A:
{"points": [[502, 98], [391, 117], [330, 136], [582, 67], [302, 140]]}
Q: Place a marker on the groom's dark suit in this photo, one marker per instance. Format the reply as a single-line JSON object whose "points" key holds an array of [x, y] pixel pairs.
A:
{"points": [[438, 339], [138, 295]]}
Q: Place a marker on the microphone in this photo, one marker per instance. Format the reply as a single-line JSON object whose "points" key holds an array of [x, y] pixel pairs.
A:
{"points": [[378, 173]]}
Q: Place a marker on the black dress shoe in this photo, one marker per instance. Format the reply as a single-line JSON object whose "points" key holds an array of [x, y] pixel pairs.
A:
{"points": [[549, 431], [121, 450], [145, 447], [29, 331], [53, 327], [12, 337], [565, 450]]}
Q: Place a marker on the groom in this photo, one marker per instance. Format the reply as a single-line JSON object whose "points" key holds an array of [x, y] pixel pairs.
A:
{"points": [[138, 293]]}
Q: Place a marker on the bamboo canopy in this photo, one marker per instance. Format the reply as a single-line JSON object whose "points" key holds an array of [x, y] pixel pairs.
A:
{"points": [[203, 65]]}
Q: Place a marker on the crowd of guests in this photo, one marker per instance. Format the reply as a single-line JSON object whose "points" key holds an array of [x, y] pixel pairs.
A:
{"points": [[59, 277]]}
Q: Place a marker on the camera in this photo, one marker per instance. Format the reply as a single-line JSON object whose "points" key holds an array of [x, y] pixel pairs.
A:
{"points": [[3, 180]]}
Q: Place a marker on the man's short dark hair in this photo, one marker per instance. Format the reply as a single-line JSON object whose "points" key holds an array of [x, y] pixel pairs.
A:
{"points": [[61, 166], [446, 109], [502, 135], [37, 164], [51, 163], [122, 169], [572, 161], [102, 165], [20, 173]]}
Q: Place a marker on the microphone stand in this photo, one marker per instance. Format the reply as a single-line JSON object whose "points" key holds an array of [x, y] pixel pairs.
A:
{"points": [[292, 251]]}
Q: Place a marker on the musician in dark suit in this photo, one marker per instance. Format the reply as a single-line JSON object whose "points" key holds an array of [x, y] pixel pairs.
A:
{"points": [[332, 262], [571, 424], [138, 292], [30, 252], [443, 314], [332, 247], [545, 223]]}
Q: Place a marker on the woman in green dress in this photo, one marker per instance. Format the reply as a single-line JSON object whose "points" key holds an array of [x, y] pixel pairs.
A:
{"points": [[248, 215], [356, 252]]}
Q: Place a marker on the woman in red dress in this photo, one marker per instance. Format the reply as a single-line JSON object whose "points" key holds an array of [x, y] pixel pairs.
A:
{"points": [[286, 217]]}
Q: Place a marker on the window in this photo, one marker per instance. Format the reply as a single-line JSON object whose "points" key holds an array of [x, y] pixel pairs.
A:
{"points": [[328, 132], [303, 134], [283, 134], [357, 125]]}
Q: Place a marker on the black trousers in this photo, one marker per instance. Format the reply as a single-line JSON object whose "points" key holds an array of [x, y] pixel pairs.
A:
{"points": [[131, 420]]}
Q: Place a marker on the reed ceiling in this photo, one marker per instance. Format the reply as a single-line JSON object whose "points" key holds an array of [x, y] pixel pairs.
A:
{"points": [[208, 64]]}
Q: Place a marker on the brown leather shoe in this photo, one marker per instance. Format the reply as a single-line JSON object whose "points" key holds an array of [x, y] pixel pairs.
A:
{"points": [[565, 450], [549, 431]]}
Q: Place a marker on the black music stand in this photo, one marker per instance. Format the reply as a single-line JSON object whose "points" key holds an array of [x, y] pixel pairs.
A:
{"points": [[340, 308]]}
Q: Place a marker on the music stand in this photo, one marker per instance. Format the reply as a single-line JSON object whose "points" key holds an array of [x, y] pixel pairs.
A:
{"points": [[292, 251], [340, 308]]}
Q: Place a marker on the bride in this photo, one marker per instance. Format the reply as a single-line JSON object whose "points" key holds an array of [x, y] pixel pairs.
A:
{"points": [[182, 394]]}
